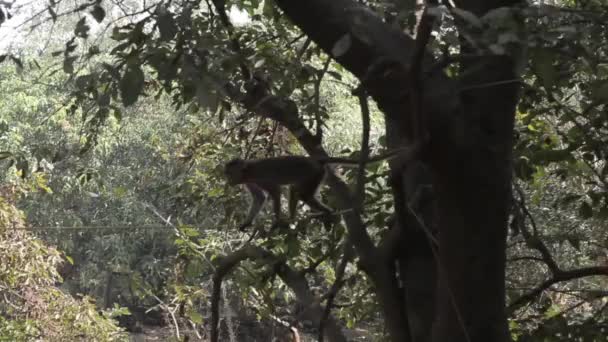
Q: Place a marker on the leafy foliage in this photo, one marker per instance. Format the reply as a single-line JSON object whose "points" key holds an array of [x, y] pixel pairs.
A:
{"points": [[32, 306], [148, 116]]}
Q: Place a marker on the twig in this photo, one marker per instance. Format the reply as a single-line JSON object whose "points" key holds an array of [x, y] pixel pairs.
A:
{"points": [[172, 313]]}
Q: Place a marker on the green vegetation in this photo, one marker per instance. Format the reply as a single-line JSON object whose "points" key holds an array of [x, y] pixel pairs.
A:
{"points": [[117, 118]]}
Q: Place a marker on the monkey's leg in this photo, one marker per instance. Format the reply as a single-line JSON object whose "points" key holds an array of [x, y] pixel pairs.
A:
{"points": [[327, 215], [258, 197], [293, 202], [275, 195], [308, 190]]}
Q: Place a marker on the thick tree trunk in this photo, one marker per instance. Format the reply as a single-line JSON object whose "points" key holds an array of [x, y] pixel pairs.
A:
{"points": [[473, 188], [471, 126], [473, 197]]}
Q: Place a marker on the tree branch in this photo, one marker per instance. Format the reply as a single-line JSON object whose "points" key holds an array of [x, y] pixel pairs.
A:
{"points": [[294, 280], [556, 278], [557, 274]]}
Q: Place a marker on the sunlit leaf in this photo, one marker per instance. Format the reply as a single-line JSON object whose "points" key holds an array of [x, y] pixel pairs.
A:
{"points": [[195, 317], [5, 154], [17, 62]]}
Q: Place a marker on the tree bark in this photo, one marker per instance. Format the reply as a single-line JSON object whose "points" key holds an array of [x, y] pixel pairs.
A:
{"points": [[469, 155]]}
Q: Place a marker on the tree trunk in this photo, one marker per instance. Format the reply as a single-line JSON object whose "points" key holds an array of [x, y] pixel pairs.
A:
{"points": [[472, 185], [470, 122]]}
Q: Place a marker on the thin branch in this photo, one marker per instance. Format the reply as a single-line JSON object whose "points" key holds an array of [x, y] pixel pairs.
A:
{"points": [[172, 313], [534, 240], [556, 278], [349, 253], [303, 49], [317, 96], [557, 274], [224, 266], [360, 194], [294, 280]]}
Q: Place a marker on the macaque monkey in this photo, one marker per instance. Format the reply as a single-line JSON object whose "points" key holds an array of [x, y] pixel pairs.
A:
{"points": [[291, 335], [304, 175], [266, 176]]}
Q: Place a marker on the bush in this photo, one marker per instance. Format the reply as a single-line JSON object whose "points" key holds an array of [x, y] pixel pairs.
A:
{"points": [[31, 305]]}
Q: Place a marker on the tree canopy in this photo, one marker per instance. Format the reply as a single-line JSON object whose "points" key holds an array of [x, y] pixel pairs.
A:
{"points": [[487, 224]]}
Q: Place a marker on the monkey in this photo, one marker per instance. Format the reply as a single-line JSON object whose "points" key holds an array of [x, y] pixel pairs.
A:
{"points": [[304, 175], [290, 335], [264, 177]]}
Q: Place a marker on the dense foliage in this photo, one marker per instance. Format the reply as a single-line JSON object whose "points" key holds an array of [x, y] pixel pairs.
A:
{"points": [[33, 307], [121, 126]]}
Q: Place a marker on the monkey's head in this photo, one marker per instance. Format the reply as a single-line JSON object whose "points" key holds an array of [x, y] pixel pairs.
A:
{"points": [[234, 171]]}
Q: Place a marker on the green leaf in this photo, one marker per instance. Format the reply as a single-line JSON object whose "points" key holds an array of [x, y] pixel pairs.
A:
{"points": [[17, 62], [259, 63], [82, 29], [574, 242], [195, 317], [70, 46], [120, 191], [98, 13], [117, 113], [603, 213], [131, 85], [190, 232], [5, 154], [119, 34], [570, 198], [335, 75], [207, 98], [166, 26], [600, 90], [68, 65], [543, 66], [552, 156], [269, 8], [585, 211]]}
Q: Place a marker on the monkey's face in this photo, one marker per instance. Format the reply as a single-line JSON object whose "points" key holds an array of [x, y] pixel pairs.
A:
{"points": [[234, 171]]}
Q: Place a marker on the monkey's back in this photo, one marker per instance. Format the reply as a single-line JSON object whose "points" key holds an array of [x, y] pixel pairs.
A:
{"points": [[284, 170]]}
